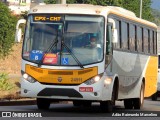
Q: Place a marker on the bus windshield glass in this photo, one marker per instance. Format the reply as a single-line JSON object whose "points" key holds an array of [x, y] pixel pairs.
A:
{"points": [[64, 39]]}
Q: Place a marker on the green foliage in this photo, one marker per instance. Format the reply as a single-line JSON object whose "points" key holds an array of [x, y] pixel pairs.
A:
{"points": [[134, 6], [4, 85], [50, 1], [24, 15], [147, 11], [94, 2], [156, 14], [54, 1], [7, 30], [101, 2]]}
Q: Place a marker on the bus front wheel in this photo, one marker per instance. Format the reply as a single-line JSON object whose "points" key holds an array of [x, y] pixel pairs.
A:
{"points": [[109, 105], [87, 103], [43, 103], [106, 106], [77, 103]]}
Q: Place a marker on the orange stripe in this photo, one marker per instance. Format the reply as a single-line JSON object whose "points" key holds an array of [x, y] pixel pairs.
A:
{"points": [[151, 76], [67, 76]]}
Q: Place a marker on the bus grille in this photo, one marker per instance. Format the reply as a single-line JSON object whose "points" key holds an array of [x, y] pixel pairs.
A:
{"points": [[60, 72]]}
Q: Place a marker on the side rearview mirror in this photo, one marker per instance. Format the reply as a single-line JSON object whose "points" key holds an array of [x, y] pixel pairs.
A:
{"points": [[115, 36], [114, 30], [18, 34]]}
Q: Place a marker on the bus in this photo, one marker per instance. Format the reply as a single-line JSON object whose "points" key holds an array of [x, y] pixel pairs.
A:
{"points": [[157, 93], [88, 53]]}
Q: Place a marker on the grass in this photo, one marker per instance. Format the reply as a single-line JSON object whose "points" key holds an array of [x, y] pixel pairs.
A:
{"points": [[9, 87], [4, 84]]}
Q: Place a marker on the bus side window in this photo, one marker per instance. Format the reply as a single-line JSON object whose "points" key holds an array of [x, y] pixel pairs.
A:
{"points": [[109, 39]]}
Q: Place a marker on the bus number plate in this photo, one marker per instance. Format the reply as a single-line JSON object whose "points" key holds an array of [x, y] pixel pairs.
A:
{"points": [[86, 89]]}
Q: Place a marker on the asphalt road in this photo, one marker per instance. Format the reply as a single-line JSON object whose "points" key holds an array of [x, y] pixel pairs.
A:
{"points": [[66, 111]]}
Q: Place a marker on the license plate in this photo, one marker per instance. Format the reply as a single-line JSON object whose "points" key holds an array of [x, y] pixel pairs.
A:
{"points": [[86, 89]]}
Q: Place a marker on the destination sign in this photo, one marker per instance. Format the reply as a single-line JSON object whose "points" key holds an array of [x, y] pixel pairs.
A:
{"points": [[46, 18]]}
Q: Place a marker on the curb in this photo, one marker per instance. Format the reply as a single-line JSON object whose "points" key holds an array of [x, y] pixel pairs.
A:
{"points": [[17, 102], [23, 102]]}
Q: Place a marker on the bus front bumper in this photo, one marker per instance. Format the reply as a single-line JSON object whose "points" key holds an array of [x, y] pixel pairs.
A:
{"points": [[78, 92]]}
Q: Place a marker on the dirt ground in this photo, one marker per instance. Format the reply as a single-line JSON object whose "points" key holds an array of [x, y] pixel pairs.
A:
{"points": [[12, 63], [12, 66]]}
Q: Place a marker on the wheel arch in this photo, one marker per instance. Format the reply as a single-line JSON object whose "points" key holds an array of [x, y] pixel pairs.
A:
{"points": [[116, 86], [143, 82]]}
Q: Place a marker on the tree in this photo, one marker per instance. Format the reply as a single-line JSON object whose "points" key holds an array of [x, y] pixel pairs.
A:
{"points": [[94, 2], [7, 30], [156, 14], [134, 6], [54, 1], [147, 11], [50, 1]]}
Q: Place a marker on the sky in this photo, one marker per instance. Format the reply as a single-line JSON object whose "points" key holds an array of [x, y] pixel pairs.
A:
{"points": [[155, 4]]}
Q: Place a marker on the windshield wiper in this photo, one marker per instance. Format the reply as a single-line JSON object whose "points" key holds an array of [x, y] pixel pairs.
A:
{"points": [[79, 63], [52, 45]]}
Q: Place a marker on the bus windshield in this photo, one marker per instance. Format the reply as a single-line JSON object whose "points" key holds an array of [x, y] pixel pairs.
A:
{"points": [[64, 39]]}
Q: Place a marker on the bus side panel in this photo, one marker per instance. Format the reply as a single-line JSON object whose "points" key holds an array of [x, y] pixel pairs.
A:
{"points": [[130, 68]]}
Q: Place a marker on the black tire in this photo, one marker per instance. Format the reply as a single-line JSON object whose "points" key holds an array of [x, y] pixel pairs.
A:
{"points": [[128, 103], [138, 102], [107, 106], [43, 103], [154, 96], [87, 103]]}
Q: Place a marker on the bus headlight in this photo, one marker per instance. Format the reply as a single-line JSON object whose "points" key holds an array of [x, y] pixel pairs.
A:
{"points": [[108, 81], [93, 80], [28, 78]]}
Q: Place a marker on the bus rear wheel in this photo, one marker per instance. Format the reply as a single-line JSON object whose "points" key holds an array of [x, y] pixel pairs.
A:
{"points": [[154, 96], [43, 103], [135, 103], [138, 102]]}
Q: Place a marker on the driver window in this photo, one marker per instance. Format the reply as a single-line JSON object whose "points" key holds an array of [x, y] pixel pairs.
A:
{"points": [[109, 39]]}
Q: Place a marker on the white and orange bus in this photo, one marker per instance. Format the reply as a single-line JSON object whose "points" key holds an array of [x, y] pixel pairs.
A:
{"points": [[157, 93], [59, 62]]}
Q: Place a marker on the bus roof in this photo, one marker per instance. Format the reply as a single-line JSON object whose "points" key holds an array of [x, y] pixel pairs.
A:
{"points": [[76, 8], [88, 9]]}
